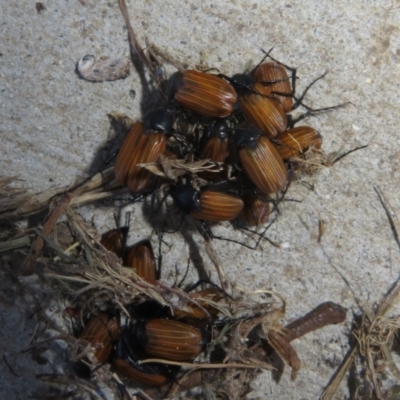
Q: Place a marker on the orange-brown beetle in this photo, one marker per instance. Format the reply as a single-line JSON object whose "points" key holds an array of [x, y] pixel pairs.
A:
{"points": [[263, 110], [139, 147], [261, 161], [295, 141], [127, 354], [214, 143], [131, 371], [207, 205], [256, 209], [170, 340], [203, 93], [114, 240], [190, 311], [141, 257], [101, 331], [276, 80], [214, 146]]}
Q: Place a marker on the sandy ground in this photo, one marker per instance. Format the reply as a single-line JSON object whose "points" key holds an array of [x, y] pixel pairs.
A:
{"points": [[53, 125]]}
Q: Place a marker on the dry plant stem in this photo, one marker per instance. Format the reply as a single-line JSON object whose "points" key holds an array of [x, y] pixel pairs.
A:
{"points": [[15, 244], [57, 379], [190, 380], [392, 219], [369, 319], [337, 378], [57, 249], [214, 259], [184, 295], [125, 395], [174, 168], [9, 367], [64, 337], [135, 47], [375, 320], [157, 53], [394, 292], [368, 314], [327, 313], [142, 394], [37, 247], [92, 197], [24, 205], [186, 383], [198, 366], [285, 351]]}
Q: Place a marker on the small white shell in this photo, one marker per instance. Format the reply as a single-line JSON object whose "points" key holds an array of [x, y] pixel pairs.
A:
{"points": [[103, 70]]}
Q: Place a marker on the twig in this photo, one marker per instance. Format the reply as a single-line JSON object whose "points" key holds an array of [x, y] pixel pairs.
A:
{"points": [[135, 47], [9, 367]]}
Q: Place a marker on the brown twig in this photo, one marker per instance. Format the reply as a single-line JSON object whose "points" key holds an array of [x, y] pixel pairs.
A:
{"points": [[135, 46]]}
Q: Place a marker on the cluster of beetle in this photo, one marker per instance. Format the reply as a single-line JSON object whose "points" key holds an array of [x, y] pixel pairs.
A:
{"points": [[241, 124], [176, 334], [153, 331]]}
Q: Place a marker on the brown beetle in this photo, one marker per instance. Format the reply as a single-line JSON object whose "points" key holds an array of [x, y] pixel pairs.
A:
{"points": [[256, 209], [214, 143], [141, 257], [101, 331], [263, 110], [207, 205], [131, 371], [170, 340], [127, 355], [295, 141], [114, 240], [214, 146], [203, 93], [261, 161], [139, 147], [275, 79], [191, 311]]}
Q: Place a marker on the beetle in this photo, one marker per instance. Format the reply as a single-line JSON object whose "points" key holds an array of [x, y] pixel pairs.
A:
{"points": [[256, 209], [214, 142], [114, 240], [215, 146], [263, 110], [139, 147], [274, 77], [260, 107], [141, 257], [145, 142], [206, 205], [153, 375], [191, 312], [101, 332], [203, 93], [127, 355], [295, 141], [260, 160], [170, 340]]}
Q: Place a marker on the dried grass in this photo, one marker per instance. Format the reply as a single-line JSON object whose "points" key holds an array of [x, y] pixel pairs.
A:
{"points": [[84, 274], [374, 336]]}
